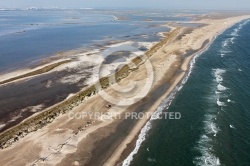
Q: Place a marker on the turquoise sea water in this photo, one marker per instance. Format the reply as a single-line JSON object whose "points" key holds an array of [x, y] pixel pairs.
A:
{"points": [[214, 102]]}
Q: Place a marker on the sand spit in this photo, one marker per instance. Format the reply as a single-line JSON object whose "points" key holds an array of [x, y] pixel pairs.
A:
{"points": [[56, 138], [7, 78]]}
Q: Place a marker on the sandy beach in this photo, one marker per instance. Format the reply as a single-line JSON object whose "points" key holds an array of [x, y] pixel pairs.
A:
{"points": [[107, 139]]}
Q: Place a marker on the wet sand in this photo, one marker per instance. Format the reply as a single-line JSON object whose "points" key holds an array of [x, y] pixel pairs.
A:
{"points": [[102, 141]]}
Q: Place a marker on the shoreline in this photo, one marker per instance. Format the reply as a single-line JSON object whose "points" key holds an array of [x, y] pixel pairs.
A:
{"points": [[169, 96], [35, 72], [179, 81], [175, 81]]}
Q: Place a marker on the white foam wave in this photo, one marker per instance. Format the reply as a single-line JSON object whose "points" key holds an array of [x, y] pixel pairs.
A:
{"points": [[217, 92], [210, 126], [219, 78], [165, 105], [207, 158], [204, 145], [141, 138], [240, 26], [223, 52], [144, 131], [218, 75], [221, 87], [191, 67], [232, 127], [247, 21], [225, 43], [232, 40], [236, 30], [180, 87], [190, 70], [221, 104], [210, 117], [219, 71], [235, 33]]}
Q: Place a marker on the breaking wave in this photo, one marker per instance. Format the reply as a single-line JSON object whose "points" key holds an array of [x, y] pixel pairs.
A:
{"points": [[144, 131]]}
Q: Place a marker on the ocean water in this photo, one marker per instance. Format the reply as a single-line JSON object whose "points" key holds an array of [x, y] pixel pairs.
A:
{"points": [[214, 103]]}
